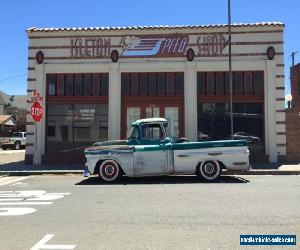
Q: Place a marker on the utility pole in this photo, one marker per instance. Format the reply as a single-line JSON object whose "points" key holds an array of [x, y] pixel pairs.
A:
{"points": [[230, 69]]}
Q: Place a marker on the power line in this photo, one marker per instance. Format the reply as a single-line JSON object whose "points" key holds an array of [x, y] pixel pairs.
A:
{"points": [[12, 77]]}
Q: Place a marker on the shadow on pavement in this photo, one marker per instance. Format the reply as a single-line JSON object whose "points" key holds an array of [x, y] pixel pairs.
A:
{"points": [[11, 166], [94, 180]]}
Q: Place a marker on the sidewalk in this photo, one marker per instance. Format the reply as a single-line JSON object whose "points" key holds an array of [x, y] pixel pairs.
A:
{"points": [[19, 169]]}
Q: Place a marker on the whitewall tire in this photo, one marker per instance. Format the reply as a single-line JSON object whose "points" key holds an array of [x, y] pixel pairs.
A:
{"points": [[109, 170], [209, 170]]}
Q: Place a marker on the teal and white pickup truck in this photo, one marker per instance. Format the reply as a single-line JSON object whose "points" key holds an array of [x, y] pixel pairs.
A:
{"points": [[150, 151]]}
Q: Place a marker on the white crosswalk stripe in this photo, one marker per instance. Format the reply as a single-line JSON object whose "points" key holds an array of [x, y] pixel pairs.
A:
{"points": [[10, 180], [25, 198]]}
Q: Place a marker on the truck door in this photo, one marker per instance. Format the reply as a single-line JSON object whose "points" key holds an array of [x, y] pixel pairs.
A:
{"points": [[151, 157]]}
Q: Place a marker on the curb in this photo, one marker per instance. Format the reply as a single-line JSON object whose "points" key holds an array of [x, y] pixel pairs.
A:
{"points": [[262, 172], [37, 172], [66, 172]]}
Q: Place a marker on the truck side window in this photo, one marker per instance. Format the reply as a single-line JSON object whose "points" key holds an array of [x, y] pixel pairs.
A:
{"points": [[152, 132]]}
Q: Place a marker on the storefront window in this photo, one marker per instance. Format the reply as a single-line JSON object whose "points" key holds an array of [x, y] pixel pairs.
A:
{"points": [[60, 85], [96, 84], [161, 79], [72, 127], [69, 85], [87, 84], [143, 84], [152, 84], [78, 85], [51, 85]]}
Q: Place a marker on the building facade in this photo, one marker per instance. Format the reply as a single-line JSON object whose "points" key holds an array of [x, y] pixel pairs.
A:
{"points": [[96, 81]]}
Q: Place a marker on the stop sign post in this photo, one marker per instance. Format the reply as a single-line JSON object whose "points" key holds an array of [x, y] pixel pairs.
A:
{"points": [[37, 111]]}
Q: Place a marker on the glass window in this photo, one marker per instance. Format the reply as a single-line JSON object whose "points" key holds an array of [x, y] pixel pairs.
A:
{"points": [[152, 112], [152, 131], [219, 83], [72, 127], [78, 85], [161, 82], [51, 131], [96, 84], [238, 83], [69, 85], [60, 85], [210, 83], [125, 84], [201, 83], [82, 132], [258, 82], [104, 84], [171, 114], [248, 83], [134, 84], [133, 114], [179, 83], [143, 84], [87, 83], [170, 84], [52, 81], [152, 84]]}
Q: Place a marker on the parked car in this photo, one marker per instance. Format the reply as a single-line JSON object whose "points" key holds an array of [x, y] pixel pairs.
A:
{"points": [[150, 151], [202, 137], [246, 136], [16, 141]]}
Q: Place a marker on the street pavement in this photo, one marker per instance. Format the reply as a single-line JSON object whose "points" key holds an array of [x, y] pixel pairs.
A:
{"points": [[179, 212]]}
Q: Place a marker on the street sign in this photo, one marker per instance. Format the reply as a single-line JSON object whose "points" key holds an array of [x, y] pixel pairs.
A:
{"points": [[37, 111]]}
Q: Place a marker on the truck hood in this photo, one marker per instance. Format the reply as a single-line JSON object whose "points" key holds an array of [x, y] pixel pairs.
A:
{"points": [[110, 143], [106, 147]]}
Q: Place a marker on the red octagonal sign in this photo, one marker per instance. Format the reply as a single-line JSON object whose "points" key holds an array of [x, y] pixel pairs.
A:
{"points": [[37, 111]]}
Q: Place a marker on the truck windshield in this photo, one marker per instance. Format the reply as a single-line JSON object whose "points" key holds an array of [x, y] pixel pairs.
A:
{"points": [[134, 133]]}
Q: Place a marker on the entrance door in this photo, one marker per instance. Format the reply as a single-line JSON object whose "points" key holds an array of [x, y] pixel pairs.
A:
{"points": [[173, 114]]}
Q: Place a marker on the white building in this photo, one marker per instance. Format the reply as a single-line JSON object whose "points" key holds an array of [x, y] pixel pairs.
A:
{"points": [[95, 81]]}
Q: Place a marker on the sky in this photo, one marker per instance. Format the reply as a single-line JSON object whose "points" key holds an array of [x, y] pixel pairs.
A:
{"points": [[17, 16]]}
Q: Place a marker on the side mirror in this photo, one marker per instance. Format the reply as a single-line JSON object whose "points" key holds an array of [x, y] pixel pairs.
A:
{"points": [[165, 141]]}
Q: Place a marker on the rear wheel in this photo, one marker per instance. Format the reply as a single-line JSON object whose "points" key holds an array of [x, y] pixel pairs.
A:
{"points": [[209, 170], [109, 170], [4, 147]]}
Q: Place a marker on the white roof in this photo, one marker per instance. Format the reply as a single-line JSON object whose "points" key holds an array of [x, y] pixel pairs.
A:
{"points": [[148, 120]]}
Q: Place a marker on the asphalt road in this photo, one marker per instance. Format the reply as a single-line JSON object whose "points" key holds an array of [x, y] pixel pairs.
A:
{"points": [[146, 213]]}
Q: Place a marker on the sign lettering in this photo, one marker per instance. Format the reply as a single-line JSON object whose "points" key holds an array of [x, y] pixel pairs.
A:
{"points": [[211, 45], [90, 47]]}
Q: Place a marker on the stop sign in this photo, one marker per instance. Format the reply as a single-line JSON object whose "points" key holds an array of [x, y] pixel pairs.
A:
{"points": [[37, 111]]}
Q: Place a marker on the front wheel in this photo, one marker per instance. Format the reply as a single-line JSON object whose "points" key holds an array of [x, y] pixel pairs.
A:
{"points": [[109, 170], [209, 170], [17, 145]]}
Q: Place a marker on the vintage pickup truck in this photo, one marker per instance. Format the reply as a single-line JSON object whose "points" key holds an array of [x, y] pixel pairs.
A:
{"points": [[150, 151]]}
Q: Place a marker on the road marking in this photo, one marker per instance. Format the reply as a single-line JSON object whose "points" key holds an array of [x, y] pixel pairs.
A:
{"points": [[13, 211], [25, 198], [42, 244], [9, 180], [24, 203]]}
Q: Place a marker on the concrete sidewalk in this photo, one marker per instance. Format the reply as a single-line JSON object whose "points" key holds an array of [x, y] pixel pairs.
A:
{"points": [[19, 169]]}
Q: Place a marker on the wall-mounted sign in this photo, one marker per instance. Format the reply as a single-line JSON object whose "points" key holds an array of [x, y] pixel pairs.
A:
{"points": [[210, 45], [134, 46], [90, 47], [147, 46]]}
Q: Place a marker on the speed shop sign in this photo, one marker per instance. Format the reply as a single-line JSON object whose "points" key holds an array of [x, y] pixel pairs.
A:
{"points": [[37, 111]]}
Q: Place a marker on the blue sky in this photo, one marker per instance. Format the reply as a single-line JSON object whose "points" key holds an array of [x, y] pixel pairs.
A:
{"points": [[17, 16]]}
